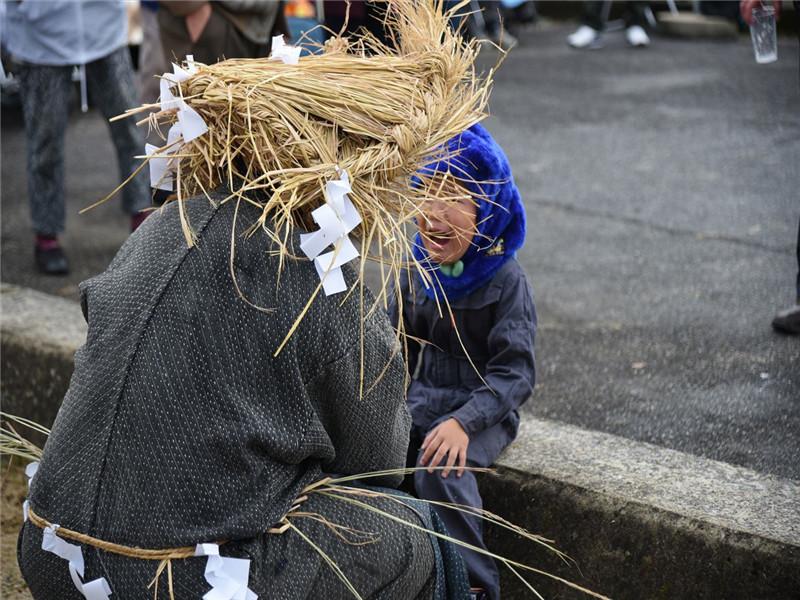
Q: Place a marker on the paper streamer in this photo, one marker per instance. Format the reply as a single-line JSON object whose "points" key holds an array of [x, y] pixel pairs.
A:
{"points": [[336, 219], [190, 126], [228, 577], [30, 470], [72, 553], [97, 589], [290, 55]]}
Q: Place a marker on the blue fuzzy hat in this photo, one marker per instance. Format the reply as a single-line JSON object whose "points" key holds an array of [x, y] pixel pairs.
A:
{"points": [[481, 165]]}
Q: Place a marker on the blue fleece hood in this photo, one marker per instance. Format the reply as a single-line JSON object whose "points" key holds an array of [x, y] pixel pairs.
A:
{"points": [[474, 155]]}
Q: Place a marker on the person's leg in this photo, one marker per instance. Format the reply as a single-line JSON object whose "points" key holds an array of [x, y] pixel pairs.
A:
{"points": [[493, 25], [589, 34], [112, 89], [788, 320], [460, 525], [635, 23], [45, 95], [634, 14], [797, 298], [593, 15]]}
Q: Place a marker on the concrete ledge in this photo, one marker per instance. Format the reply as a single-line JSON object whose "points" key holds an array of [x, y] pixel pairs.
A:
{"points": [[643, 521], [39, 335], [640, 521]]}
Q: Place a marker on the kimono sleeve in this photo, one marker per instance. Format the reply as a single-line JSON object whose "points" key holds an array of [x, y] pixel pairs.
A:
{"points": [[412, 346], [369, 432]]}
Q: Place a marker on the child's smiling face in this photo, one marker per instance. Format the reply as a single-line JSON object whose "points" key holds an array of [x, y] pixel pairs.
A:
{"points": [[448, 225]]}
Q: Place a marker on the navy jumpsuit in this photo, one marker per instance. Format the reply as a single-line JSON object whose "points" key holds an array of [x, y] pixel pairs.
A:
{"points": [[497, 326]]}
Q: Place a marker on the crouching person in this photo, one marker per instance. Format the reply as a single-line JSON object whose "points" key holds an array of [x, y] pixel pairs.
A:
{"points": [[476, 317], [183, 435]]}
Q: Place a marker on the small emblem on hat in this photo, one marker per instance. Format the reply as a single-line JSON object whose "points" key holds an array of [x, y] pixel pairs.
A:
{"points": [[498, 249]]}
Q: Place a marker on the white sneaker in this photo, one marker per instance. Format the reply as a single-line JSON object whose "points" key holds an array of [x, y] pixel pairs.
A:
{"points": [[637, 37], [585, 37]]}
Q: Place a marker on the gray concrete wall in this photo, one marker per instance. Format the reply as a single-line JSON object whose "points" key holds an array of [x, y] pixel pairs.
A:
{"points": [[642, 521], [39, 335], [639, 521]]}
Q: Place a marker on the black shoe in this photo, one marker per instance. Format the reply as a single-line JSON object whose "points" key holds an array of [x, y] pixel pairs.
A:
{"points": [[51, 261], [788, 321]]}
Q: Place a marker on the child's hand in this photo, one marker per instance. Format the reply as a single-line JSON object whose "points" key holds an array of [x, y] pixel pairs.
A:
{"points": [[448, 439]]}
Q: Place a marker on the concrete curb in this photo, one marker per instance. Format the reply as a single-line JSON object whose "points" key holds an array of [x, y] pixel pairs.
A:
{"points": [[640, 521], [643, 521], [39, 335]]}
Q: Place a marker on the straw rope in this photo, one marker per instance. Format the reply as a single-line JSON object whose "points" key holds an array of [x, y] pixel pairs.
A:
{"points": [[121, 549], [165, 553]]}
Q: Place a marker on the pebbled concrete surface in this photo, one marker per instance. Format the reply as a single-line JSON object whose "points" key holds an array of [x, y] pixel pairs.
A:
{"points": [[661, 188]]}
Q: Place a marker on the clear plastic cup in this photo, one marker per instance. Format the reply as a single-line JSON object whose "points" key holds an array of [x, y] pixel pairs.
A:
{"points": [[762, 31]]}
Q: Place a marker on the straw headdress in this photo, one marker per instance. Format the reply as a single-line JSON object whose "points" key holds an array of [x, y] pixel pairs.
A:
{"points": [[277, 133]]}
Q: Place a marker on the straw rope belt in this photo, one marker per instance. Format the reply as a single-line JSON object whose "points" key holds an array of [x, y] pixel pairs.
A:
{"points": [[162, 554]]}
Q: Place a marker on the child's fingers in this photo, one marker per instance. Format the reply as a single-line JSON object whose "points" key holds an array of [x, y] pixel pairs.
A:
{"points": [[437, 458], [451, 460], [462, 461], [429, 450]]}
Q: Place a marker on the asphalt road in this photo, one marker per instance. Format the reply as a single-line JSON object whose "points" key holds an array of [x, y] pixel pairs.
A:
{"points": [[663, 205]]}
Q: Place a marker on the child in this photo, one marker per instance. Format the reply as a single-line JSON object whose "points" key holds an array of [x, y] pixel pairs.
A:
{"points": [[464, 414]]}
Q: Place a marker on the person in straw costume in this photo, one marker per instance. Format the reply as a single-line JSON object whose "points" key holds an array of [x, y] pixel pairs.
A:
{"points": [[193, 417], [238, 378]]}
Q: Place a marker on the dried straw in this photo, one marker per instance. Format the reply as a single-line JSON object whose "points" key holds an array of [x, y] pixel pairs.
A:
{"points": [[12, 443], [277, 132]]}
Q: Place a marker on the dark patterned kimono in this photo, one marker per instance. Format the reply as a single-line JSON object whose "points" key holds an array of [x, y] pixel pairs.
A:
{"points": [[181, 426]]}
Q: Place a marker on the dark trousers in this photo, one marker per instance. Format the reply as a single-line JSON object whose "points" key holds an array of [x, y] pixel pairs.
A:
{"points": [[481, 569], [798, 263], [45, 93], [594, 18]]}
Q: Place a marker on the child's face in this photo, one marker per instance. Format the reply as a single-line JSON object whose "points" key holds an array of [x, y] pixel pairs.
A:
{"points": [[448, 226]]}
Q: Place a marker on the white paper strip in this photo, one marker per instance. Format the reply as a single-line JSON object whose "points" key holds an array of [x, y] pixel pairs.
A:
{"points": [[60, 547], [344, 251], [336, 219], [180, 73], [30, 470], [167, 99], [160, 175], [190, 126], [332, 281], [228, 577], [97, 589], [290, 55]]}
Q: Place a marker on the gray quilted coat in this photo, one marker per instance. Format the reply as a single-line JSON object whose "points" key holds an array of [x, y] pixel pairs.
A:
{"points": [[181, 426]]}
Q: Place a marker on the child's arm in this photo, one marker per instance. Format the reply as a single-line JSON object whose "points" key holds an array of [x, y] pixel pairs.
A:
{"points": [[510, 373]]}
